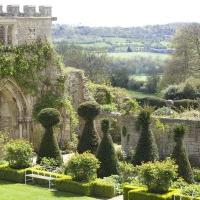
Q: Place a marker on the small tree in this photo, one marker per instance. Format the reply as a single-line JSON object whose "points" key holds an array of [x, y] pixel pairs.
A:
{"points": [[89, 139], [106, 153], [146, 149], [180, 155], [49, 117]]}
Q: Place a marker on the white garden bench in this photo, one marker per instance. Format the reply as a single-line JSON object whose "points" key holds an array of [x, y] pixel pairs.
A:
{"points": [[37, 175]]}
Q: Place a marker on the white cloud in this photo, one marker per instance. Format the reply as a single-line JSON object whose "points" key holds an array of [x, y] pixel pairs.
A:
{"points": [[119, 12]]}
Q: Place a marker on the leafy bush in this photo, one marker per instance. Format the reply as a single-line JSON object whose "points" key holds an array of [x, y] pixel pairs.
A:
{"points": [[102, 95], [19, 154], [180, 156], [164, 111], [146, 149], [106, 153], [158, 176], [117, 181], [89, 139], [186, 103], [121, 155], [82, 167], [49, 117], [182, 91], [188, 190], [127, 171], [196, 173], [129, 106], [49, 164]]}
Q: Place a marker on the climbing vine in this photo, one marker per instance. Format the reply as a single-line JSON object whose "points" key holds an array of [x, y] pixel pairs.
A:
{"points": [[23, 63]]}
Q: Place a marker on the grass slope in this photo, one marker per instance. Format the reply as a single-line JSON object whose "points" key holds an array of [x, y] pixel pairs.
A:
{"points": [[16, 191]]}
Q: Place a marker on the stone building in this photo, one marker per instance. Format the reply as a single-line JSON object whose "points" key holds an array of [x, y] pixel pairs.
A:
{"points": [[19, 27], [16, 104]]}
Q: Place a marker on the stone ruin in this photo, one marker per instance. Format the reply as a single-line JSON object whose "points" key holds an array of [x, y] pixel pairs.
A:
{"points": [[19, 27], [16, 105]]}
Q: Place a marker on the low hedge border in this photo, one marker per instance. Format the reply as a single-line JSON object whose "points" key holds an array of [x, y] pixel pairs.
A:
{"points": [[67, 185], [102, 189], [18, 175], [182, 197], [98, 188], [142, 194], [13, 175], [128, 188]]}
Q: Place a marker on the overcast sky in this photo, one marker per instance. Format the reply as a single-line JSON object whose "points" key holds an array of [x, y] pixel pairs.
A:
{"points": [[119, 12]]}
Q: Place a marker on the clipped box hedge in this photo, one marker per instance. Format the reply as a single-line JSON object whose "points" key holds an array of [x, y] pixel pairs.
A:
{"points": [[13, 175], [128, 188], [131, 192], [18, 175], [67, 185], [182, 197], [102, 189], [97, 188], [142, 194]]}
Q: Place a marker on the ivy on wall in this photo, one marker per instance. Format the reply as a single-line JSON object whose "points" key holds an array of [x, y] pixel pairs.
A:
{"points": [[23, 63]]}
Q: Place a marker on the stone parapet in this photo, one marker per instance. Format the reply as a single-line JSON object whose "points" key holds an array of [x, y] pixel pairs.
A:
{"points": [[28, 11]]}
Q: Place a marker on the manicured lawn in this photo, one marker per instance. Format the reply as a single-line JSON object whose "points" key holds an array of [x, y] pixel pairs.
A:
{"points": [[16, 191]]}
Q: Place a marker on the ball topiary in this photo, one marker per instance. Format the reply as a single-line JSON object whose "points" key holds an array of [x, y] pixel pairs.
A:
{"points": [[49, 117], [146, 149], [89, 139], [106, 153], [88, 110], [180, 156]]}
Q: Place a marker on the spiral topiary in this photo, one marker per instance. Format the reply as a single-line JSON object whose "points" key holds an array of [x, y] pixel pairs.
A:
{"points": [[89, 139], [49, 148], [180, 156], [106, 153], [146, 149]]}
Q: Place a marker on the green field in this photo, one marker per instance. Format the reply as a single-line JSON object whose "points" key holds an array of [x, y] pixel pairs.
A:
{"points": [[131, 55], [139, 77], [16, 191], [136, 94]]}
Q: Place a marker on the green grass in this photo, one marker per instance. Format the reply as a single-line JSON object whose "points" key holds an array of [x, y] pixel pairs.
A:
{"points": [[131, 55], [16, 191], [137, 94], [139, 77]]}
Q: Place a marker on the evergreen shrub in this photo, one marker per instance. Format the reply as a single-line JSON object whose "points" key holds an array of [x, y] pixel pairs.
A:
{"points": [[146, 149], [49, 148], [106, 153], [89, 139], [180, 155]]}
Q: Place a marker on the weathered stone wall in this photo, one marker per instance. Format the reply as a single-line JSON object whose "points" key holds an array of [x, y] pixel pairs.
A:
{"points": [[24, 27], [164, 138]]}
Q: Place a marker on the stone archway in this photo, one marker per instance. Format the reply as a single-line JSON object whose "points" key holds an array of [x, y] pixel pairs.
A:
{"points": [[15, 115]]}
